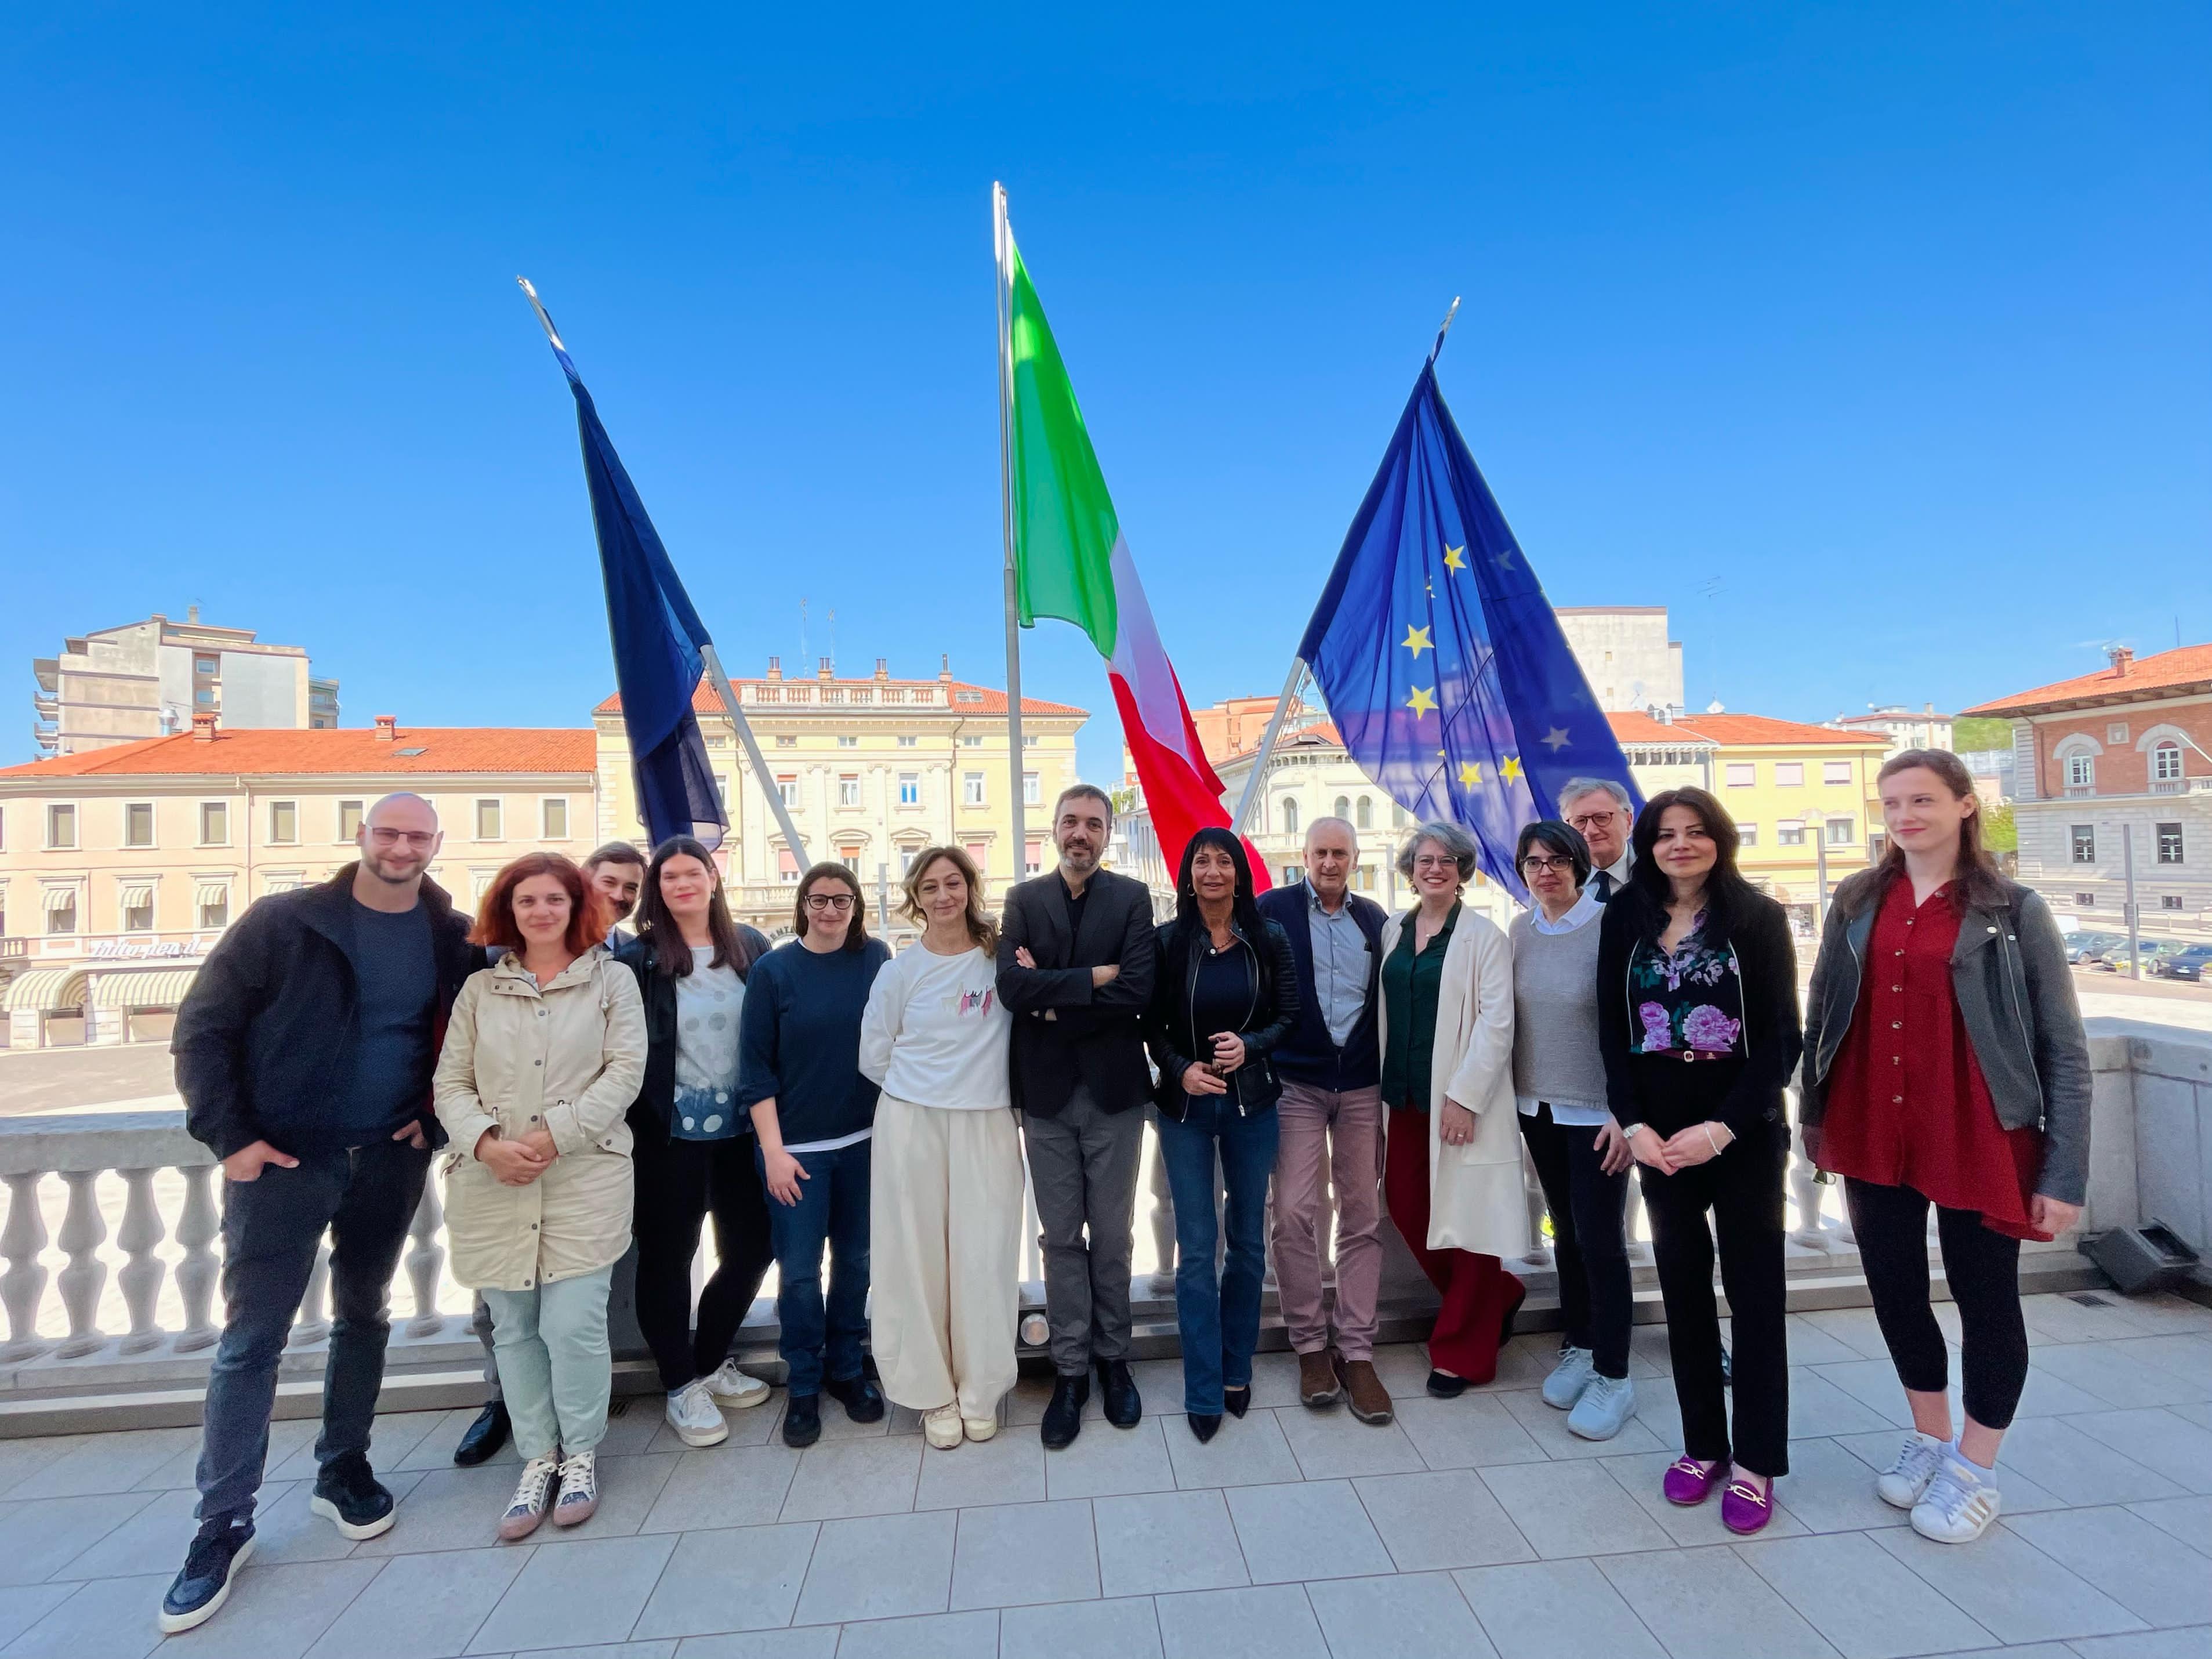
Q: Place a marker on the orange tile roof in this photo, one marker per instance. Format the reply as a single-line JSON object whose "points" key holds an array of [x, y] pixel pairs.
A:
{"points": [[1323, 731], [1634, 725], [708, 701], [2185, 668], [348, 750], [1752, 731]]}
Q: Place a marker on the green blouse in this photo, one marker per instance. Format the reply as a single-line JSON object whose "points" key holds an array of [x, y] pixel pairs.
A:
{"points": [[1411, 980]]}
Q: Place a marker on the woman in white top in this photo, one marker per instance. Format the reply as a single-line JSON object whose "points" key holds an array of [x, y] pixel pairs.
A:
{"points": [[946, 1195]]}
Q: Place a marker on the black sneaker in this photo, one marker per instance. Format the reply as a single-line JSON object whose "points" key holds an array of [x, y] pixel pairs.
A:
{"points": [[199, 1591], [802, 1420], [862, 1400], [352, 1499]]}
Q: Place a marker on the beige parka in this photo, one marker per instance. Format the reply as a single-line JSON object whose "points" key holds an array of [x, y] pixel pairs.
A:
{"points": [[567, 1057]]}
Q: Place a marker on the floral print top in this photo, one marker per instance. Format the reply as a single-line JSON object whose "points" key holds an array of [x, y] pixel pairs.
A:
{"points": [[1689, 998]]}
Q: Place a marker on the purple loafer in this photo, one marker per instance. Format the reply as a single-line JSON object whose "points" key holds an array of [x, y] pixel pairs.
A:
{"points": [[1689, 1482], [1745, 1508]]}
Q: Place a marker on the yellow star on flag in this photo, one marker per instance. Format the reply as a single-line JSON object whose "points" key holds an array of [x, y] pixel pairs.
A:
{"points": [[1453, 559], [1416, 641], [1470, 774], [1511, 771], [1423, 702]]}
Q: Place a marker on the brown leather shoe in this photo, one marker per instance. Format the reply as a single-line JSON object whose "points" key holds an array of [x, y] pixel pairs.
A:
{"points": [[1318, 1388], [1368, 1400]]}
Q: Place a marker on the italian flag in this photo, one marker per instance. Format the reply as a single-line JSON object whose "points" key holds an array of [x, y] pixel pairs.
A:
{"points": [[1070, 561]]}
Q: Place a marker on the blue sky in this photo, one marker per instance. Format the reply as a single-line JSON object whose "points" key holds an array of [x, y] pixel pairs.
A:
{"points": [[1874, 341]]}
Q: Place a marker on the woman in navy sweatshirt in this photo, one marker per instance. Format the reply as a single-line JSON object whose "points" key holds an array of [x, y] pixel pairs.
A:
{"points": [[799, 1073]]}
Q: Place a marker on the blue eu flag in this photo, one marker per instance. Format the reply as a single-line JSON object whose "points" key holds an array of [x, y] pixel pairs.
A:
{"points": [[1444, 667], [656, 635]]}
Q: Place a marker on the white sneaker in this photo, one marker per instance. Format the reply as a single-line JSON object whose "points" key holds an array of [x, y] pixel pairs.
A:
{"points": [[1573, 1374], [732, 1388], [695, 1417], [579, 1489], [1958, 1507], [1905, 1482], [941, 1427]]}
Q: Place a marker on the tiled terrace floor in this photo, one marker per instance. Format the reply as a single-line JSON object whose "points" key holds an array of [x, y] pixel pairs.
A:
{"points": [[1470, 1528]]}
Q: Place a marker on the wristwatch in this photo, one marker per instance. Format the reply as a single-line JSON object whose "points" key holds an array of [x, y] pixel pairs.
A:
{"points": [[1629, 1132]]}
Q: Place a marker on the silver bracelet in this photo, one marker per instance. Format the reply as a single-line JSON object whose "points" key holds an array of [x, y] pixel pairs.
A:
{"points": [[1711, 1142]]}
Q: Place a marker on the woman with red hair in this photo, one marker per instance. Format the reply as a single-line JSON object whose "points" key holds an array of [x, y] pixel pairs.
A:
{"points": [[544, 1052]]}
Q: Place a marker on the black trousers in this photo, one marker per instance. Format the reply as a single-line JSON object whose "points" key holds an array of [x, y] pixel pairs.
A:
{"points": [[1589, 1243], [1741, 1191], [679, 1184], [1982, 1268]]}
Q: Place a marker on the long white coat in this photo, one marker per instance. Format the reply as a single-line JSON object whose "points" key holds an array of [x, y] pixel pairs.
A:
{"points": [[1475, 1200]]}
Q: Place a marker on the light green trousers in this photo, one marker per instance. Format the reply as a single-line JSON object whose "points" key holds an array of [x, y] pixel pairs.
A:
{"points": [[554, 1367]]}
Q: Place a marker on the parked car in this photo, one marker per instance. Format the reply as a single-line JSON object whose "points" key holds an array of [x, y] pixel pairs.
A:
{"points": [[2191, 962], [2149, 951], [2085, 948]]}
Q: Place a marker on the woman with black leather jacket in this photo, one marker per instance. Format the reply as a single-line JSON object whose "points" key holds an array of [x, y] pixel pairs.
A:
{"points": [[1225, 994]]}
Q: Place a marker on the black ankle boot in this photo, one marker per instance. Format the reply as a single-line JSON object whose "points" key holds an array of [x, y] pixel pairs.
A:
{"points": [[1122, 1404], [1063, 1417]]}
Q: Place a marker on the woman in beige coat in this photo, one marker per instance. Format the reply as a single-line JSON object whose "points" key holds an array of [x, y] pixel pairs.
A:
{"points": [[543, 1054], [1451, 1172]]}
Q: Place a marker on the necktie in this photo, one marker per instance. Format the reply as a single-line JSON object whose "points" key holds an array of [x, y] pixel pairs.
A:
{"points": [[1604, 886]]}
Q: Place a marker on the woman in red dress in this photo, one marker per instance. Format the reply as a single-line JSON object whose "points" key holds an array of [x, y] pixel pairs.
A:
{"points": [[1945, 1064]]}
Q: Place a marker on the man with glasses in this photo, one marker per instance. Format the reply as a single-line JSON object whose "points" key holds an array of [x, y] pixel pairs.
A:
{"points": [[304, 1052], [1598, 810], [1075, 969]]}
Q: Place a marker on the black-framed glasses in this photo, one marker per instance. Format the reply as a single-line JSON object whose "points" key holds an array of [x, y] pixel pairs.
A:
{"points": [[1536, 866], [830, 900]]}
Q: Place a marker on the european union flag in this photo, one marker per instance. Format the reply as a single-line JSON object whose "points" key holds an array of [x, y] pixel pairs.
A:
{"points": [[656, 635], [1444, 669]]}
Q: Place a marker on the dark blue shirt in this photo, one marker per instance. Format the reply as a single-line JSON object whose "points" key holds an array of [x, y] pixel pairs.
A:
{"points": [[395, 989], [798, 1040]]}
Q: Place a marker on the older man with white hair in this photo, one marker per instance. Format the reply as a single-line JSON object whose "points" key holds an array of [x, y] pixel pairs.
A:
{"points": [[1599, 810]]}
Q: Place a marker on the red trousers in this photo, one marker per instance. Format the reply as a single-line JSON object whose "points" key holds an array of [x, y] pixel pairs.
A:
{"points": [[1477, 1290]]}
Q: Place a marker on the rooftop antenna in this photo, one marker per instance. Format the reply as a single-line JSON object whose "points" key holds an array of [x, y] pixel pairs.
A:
{"points": [[833, 642]]}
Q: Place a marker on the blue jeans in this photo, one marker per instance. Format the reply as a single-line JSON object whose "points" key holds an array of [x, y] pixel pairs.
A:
{"points": [[271, 1228], [819, 1338], [1219, 1318]]}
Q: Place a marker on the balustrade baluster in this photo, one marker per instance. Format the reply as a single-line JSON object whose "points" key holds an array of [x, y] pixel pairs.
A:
{"points": [[82, 1279], [142, 1274], [1164, 1234], [1639, 1224], [313, 1323], [1532, 1195], [197, 1227], [24, 1282], [426, 1261]]}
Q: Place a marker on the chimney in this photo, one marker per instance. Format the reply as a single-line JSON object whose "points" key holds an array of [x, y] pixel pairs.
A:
{"points": [[1927, 707], [776, 668], [2123, 660], [883, 668], [387, 728], [822, 671], [191, 613], [945, 667], [202, 728]]}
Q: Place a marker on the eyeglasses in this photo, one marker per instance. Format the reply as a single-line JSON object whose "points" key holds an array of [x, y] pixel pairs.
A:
{"points": [[421, 838], [1589, 821], [830, 900], [1545, 866], [1435, 862]]}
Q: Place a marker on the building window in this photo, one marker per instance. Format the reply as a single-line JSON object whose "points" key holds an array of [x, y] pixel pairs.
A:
{"points": [[2081, 771], [909, 789], [722, 790], [2165, 764], [1397, 818], [213, 907], [787, 789], [214, 823], [1030, 795], [1740, 774], [906, 861], [786, 867], [487, 820], [2169, 901], [1290, 815], [553, 818], [1835, 771], [1343, 808], [1747, 835], [848, 743], [971, 789], [1292, 872], [848, 789], [1364, 817], [787, 742], [2085, 901], [139, 909], [2085, 843], [138, 823], [850, 857], [1029, 742], [971, 743], [1842, 831], [1789, 774], [908, 743], [1789, 835], [205, 697], [2169, 844], [283, 823], [1031, 854], [61, 911], [61, 829], [349, 819]]}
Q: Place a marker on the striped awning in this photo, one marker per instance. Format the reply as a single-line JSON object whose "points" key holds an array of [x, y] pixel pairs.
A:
{"points": [[60, 898], [45, 990], [132, 893], [142, 987], [213, 892]]}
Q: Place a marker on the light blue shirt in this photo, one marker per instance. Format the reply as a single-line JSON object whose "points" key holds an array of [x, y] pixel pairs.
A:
{"points": [[1341, 958]]}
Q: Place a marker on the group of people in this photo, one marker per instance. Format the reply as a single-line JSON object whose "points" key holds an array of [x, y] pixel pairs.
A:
{"points": [[861, 1120]]}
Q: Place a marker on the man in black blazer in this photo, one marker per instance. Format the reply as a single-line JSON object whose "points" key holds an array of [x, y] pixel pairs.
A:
{"points": [[1075, 969]]}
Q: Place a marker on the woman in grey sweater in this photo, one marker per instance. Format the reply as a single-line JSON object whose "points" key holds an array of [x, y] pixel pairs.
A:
{"points": [[1559, 1079]]}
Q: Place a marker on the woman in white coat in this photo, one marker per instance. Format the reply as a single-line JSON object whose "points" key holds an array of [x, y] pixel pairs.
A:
{"points": [[1451, 1172], [544, 1053]]}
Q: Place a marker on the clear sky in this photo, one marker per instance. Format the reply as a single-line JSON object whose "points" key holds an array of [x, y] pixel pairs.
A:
{"points": [[1874, 341]]}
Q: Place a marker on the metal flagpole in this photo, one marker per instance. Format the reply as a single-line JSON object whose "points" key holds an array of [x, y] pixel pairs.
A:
{"points": [[1000, 238], [712, 662], [1266, 746]]}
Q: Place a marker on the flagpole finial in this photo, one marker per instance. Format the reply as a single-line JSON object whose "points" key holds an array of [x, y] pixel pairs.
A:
{"points": [[1443, 328], [537, 305]]}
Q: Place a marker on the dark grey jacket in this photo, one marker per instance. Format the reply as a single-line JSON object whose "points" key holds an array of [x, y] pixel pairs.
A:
{"points": [[2016, 997]]}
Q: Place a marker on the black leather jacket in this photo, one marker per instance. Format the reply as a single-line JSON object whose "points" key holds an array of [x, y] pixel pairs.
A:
{"points": [[1253, 1086]]}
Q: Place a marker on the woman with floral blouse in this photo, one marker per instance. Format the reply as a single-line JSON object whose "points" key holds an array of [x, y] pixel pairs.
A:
{"points": [[1698, 1022]]}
